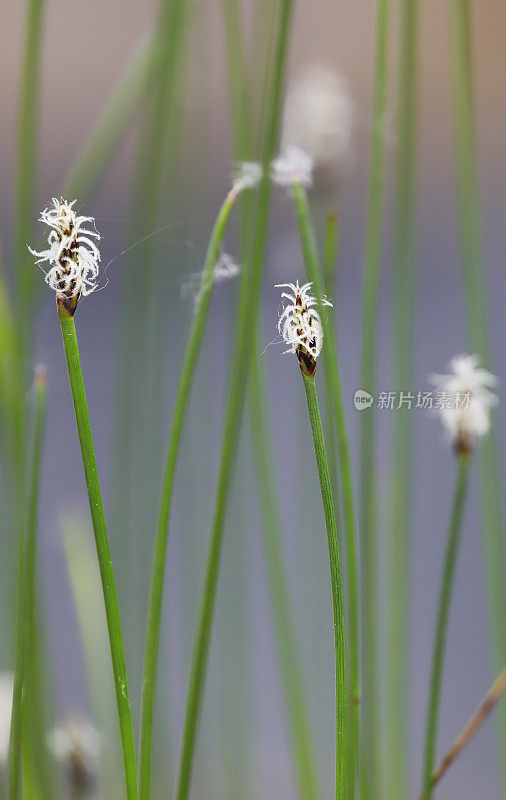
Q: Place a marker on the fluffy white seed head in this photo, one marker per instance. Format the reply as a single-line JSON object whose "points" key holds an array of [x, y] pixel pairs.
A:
{"points": [[466, 401], [299, 323], [72, 255], [318, 118], [6, 690], [293, 165], [246, 175]]}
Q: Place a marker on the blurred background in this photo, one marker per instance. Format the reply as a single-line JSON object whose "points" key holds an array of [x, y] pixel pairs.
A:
{"points": [[243, 746]]}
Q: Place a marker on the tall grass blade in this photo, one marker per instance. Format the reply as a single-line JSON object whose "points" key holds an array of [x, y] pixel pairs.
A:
{"points": [[478, 328], [248, 303]]}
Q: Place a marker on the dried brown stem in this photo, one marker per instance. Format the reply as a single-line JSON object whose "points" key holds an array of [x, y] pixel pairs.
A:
{"points": [[475, 721]]}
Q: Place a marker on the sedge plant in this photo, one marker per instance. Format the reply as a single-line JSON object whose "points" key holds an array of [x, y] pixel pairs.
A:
{"points": [[246, 317], [300, 327], [465, 418], [26, 587], [247, 177], [293, 168], [474, 283], [73, 258]]}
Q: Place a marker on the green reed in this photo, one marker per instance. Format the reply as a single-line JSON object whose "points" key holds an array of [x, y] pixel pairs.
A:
{"points": [[478, 327], [247, 312], [401, 483], [368, 506]]}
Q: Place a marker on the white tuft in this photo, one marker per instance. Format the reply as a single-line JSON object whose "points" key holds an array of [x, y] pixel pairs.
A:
{"points": [[246, 175], [72, 255], [319, 116], [465, 400], [299, 323], [225, 268], [292, 166], [76, 740]]}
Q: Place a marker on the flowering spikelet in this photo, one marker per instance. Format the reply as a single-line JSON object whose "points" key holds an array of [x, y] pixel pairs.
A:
{"points": [[318, 117], [300, 326], [76, 744], [465, 412], [294, 165], [72, 254]]}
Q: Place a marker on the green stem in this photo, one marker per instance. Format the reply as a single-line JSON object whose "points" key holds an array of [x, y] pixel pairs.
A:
{"points": [[157, 579], [333, 379], [102, 544], [330, 253], [288, 653], [26, 162], [329, 282], [248, 304], [445, 594], [478, 327], [342, 749], [289, 658], [25, 605], [401, 487], [99, 146], [368, 510]]}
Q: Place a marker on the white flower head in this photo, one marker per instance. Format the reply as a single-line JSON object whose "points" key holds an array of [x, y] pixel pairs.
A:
{"points": [[299, 323], [75, 743], [246, 175], [318, 117], [6, 691], [294, 165], [72, 255], [466, 401]]}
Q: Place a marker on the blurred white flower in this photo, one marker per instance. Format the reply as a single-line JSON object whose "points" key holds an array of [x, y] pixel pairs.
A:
{"points": [[465, 401], [6, 690], [75, 743], [318, 117], [72, 255], [299, 323], [292, 166], [246, 175], [225, 268]]}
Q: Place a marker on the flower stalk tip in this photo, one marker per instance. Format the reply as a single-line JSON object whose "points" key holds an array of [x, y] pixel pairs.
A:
{"points": [[466, 416], [300, 326], [72, 254]]}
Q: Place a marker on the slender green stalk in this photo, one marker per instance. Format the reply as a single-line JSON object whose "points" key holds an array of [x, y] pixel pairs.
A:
{"points": [[98, 148], [289, 657], [332, 376], [157, 579], [329, 282], [342, 749], [26, 583], [368, 510], [291, 668], [138, 405], [401, 487], [330, 253], [26, 162], [102, 543], [478, 327], [445, 594], [248, 304], [84, 580]]}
